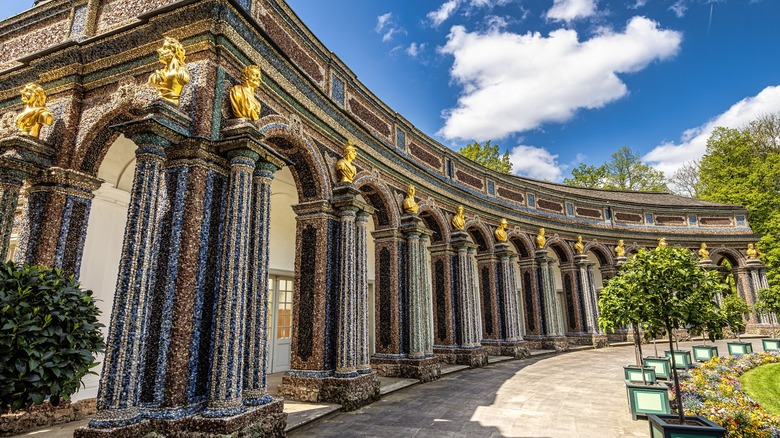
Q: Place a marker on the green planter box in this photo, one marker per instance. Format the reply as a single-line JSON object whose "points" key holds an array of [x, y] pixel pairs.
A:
{"points": [[771, 344], [703, 353], [740, 348], [633, 373], [659, 428], [682, 359], [662, 365], [647, 399]]}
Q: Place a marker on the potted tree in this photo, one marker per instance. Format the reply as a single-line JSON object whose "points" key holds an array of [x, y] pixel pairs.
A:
{"points": [[675, 293], [712, 329], [769, 305], [620, 305], [733, 308]]}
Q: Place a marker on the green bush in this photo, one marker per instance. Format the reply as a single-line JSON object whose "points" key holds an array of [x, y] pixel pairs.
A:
{"points": [[49, 331]]}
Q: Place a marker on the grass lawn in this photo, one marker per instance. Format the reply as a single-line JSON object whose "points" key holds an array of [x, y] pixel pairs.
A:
{"points": [[763, 385]]}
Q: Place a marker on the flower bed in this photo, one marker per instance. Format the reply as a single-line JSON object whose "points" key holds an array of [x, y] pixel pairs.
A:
{"points": [[713, 390]]}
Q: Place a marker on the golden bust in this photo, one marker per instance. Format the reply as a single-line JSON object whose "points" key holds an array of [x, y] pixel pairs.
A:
{"points": [[242, 97], [170, 79], [344, 167], [620, 250], [540, 239], [703, 253], [501, 231], [458, 221], [662, 243], [409, 205], [752, 252], [579, 248], [35, 115]]}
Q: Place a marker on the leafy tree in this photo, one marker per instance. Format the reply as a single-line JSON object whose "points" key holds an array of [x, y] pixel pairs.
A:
{"points": [[733, 310], [769, 304], [742, 166], [620, 305], [488, 156], [48, 334], [685, 180], [624, 171], [673, 292]]}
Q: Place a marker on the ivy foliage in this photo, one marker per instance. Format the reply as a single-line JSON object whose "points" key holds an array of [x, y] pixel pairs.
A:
{"points": [[49, 332]]}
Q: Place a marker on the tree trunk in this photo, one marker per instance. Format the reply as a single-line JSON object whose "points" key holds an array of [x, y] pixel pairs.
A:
{"points": [[676, 379], [638, 351]]}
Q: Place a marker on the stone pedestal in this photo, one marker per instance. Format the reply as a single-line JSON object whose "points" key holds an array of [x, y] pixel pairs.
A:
{"points": [[350, 392]]}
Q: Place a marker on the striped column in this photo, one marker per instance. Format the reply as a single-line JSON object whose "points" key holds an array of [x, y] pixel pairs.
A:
{"points": [[256, 360], [585, 272], [508, 290], [361, 284], [227, 364], [117, 401], [427, 292], [475, 306], [10, 186], [346, 365], [416, 297]]}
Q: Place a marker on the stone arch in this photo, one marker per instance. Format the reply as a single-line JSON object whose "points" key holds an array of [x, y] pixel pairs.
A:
{"points": [[522, 243], [435, 221], [377, 194], [308, 167], [562, 249], [732, 255], [603, 253], [633, 249], [481, 235]]}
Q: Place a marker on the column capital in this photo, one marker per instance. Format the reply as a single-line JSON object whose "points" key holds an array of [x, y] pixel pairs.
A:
{"points": [[243, 135], [68, 181], [160, 125], [22, 156]]}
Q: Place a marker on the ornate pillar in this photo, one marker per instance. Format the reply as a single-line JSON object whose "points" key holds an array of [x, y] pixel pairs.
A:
{"points": [[443, 301], [361, 289], [468, 320], [589, 301], [511, 342], [553, 326], [346, 365], [750, 279], [20, 158]]}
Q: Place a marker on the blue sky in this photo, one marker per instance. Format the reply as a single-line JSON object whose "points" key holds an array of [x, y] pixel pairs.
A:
{"points": [[559, 82]]}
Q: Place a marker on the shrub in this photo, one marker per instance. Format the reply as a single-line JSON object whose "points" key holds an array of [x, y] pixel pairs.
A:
{"points": [[49, 331]]}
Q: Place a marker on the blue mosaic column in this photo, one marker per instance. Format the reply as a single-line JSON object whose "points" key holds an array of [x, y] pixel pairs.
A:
{"points": [[549, 300], [418, 280], [475, 304], [588, 290], [507, 289], [427, 291], [255, 362], [466, 291], [118, 395], [227, 363], [346, 365], [361, 284]]}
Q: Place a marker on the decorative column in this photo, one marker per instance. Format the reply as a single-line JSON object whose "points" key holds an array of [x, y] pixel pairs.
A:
{"points": [[469, 350], [444, 314], [361, 289], [553, 326], [20, 158], [255, 362], [118, 395], [531, 304], [589, 303], [346, 365], [511, 342], [752, 277]]}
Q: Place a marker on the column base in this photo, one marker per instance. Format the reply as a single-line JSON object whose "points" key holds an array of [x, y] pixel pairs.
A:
{"points": [[619, 336], [351, 393], [425, 369], [558, 343], [596, 340], [761, 329], [475, 357], [267, 420], [516, 349]]}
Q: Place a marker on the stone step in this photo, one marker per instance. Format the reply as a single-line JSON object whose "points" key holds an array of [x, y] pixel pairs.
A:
{"points": [[496, 359], [541, 353], [451, 368], [391, 384], [300, 413]]}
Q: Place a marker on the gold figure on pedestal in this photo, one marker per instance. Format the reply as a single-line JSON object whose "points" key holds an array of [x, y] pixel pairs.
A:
{"points": [[540, 239], [344, 167], [35, 114], [579, 248], [170, 79], [662, 243], [242, 97], [501, 231], [458, 221], [703, 253], [410, 205], [620, 250], [752, 252]]}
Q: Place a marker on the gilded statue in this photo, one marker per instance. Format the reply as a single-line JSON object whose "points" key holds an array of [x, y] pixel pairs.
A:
{"points": [[458, 221], [752, 252], [170, 79], [662, 243], [540, 239], [703, 253], [344, 167], [242, 97], [35, 114], [579, 247], [410, 205], [620, 249], [501, 231]]}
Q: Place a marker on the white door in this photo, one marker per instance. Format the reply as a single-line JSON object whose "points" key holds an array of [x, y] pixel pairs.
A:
{"points": [[281, 322]]}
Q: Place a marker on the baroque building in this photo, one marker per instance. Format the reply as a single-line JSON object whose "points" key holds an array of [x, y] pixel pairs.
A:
{"points": [[237, 222]]}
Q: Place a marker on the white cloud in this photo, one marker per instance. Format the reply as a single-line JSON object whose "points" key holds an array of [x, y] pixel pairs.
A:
{"points": [[385, 25], [535, 162], [415, 49], [679, 8], [669, 156], [638, 4], [444, 12], [570, 10], [513, 83], [382, 21]]}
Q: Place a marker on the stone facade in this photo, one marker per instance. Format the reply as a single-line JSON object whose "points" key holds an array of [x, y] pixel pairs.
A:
{"points": [[187, 339]]}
